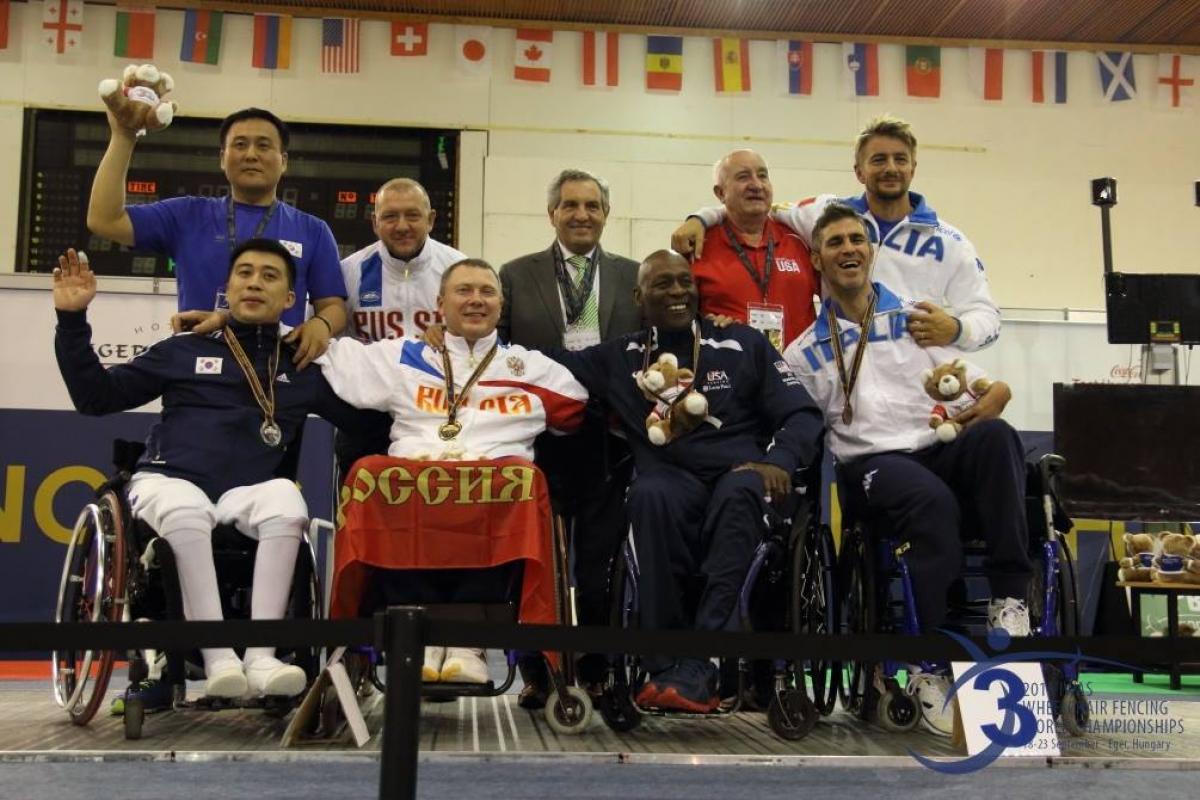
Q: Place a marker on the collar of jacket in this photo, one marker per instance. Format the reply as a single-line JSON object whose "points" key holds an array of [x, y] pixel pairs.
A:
{"points": [[886, 304]]}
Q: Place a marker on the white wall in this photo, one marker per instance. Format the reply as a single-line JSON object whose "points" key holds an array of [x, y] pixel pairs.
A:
{"points": [[1013, 175]]}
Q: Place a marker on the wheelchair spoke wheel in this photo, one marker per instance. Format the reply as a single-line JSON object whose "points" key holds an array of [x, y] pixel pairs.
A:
{"points": [[856, 689], [792, 714], [814, 604]]}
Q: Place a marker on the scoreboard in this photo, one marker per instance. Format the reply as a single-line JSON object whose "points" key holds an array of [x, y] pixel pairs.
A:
{"points": [[333, 172]]}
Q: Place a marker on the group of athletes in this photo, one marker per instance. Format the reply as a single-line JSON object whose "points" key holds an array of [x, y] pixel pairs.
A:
{"points": [[803, 323]]}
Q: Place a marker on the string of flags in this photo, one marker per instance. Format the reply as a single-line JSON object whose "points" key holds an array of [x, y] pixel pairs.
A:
{"points": [[1174, 81]]}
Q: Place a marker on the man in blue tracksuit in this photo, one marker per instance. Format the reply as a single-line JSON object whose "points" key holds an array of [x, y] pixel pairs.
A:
{"points": [[696, 504], [232, 403]]}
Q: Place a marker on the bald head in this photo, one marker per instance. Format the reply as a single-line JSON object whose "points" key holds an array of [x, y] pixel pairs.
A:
{"points": [[665, 291], [656, 259], [742, 183]]}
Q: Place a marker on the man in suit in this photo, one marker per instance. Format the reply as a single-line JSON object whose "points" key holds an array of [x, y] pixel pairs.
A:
{"points": [[574, 295]]}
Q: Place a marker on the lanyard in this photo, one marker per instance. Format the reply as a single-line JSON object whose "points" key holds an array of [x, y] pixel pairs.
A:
{"points": [[763, 282], [451, 427], [864, 336], [231, 224], [650, 340], [271, 435], [574, 294]]}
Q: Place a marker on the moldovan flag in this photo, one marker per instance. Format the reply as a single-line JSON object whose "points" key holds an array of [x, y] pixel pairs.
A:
{"points": [[473, 45], [923, 71], [731, 65], [201, 36], [3, 24], [339, 45], [272, 42], [985, 67], [62, 24], [601, 58], [1177, 80], [862, 68], [797, 58], [1049, 76], [410, 38], [664, 63], [531, 59], [135, 33]]}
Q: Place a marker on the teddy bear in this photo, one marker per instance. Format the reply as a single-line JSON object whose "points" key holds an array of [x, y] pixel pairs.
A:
{"points": [[662, 383], [1138, 564], [137, 99], [946, 385], [1175, 563]]}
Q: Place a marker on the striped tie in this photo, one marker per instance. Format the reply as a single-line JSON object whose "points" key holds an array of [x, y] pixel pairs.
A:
{"points": [[590, 316]]}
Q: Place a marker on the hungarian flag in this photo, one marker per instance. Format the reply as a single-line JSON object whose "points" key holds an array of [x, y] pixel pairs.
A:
{"points": [[797, 58], [272, 42], [923, 70], [201, 36], [410, 38], [985, 66], [1049, 76], [62, 24], [3, 24], [601, 58], [664, 63], [731, 65], [135, 33], [1177, 80], [532, 57], [862, 68]]}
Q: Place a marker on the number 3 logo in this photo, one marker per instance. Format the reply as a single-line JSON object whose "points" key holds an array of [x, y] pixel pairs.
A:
{"points": [[1010, 704]]}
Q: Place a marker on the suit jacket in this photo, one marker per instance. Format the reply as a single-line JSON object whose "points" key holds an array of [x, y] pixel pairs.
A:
{"points": [[532, 314]]}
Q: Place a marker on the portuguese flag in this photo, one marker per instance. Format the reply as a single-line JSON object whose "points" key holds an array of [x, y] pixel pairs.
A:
{"points": [[923, 71], [135, 33]]}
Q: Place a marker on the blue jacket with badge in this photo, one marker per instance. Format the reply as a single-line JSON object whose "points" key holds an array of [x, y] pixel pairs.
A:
{"points": [[765, 413], [209, 429]]}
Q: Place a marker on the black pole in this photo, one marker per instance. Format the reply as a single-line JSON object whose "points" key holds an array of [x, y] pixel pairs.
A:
{"points": [[405, 650], [1106, 238]]}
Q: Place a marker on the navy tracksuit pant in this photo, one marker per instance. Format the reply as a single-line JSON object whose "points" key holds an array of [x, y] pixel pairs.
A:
{"points": [[973, 485], [684, 528]]}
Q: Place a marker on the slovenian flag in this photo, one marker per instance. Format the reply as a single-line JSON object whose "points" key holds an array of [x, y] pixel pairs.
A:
{"points": [[1049, 76], [862, 68], [201, 36], [797, 58], [272, 42]]}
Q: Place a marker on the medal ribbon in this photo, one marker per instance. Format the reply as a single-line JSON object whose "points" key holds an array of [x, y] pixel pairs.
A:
{"points": [[864, 336], [265, 400], [763, 282], [695, 365], [454, 401]]}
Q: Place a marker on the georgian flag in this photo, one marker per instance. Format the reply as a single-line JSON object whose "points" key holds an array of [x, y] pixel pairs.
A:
{"points": [[62, 25]]}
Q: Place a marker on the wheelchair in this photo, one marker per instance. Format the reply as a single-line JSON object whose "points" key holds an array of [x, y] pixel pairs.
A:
{"points": [[877, 598], [363, 582], [794, 569], [118, 569]]}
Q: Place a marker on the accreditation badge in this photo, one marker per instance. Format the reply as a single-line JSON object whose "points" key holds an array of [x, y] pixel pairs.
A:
{"points": [[768, 319]]}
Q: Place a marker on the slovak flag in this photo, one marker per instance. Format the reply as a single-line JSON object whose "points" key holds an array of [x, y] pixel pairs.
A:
{"points": [[797, 58], [601, 58], [1049, 76], [531, 60], [862, 68], [1177, 80], [473, 49]]}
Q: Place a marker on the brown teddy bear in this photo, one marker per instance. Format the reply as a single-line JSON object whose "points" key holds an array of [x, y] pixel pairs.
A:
{"points": [[137, 99], [1175, 563], [946, 385], [663, 383], [1138, 564]]}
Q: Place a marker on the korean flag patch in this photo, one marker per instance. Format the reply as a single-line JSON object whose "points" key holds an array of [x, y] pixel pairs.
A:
{"points": [[295, 248], [208, 365]]}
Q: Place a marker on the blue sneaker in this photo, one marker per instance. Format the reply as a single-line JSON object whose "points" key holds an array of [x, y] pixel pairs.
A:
{"points": [[689, 686], [156, 695]]}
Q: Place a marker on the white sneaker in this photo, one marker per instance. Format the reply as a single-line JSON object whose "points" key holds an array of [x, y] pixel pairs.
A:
{"points": [[431, 670], [464, 665], [1010, 614], [931, 690], [225, 679], [270, 677]]}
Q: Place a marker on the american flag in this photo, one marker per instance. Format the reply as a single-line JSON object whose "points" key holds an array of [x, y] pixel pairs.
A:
{"points": [[339, 45]]}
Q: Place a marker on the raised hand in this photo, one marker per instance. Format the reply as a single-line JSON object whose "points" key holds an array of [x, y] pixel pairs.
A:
{"points": [[688, 238], [74, 282]]}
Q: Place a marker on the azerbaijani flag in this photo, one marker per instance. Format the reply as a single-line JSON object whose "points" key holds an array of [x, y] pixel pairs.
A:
{"points": [[731, 65], [862, 67], [201, 36], [923, 70], [664, 63], [135, 33], [272, 42]]}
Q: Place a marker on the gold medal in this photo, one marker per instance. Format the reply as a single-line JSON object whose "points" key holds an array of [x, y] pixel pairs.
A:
{"points": [[448, 430]]}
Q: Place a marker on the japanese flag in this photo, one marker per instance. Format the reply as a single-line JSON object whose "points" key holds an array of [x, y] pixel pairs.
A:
{"points": [[473, 49]]}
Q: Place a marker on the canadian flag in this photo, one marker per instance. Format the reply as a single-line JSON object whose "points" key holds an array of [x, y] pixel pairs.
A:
{"points": [[531, 61], [62, 25], [600, 58], [473, 49]]}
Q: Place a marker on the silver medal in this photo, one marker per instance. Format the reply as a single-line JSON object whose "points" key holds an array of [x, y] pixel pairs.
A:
{"points": [[270, 433]]}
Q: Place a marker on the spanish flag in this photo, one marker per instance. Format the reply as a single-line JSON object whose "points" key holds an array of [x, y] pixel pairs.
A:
{"points": [[731, 65], [664, 63]]}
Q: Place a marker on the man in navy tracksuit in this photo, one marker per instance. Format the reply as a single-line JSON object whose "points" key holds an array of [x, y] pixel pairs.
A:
{"points": [[696, 504], [232, 403]]}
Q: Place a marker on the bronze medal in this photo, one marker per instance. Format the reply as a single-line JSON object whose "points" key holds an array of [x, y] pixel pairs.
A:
{"points": [[848, 380], [847, 415]]}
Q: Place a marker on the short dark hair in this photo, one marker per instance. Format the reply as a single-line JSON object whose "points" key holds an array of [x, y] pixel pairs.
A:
{"points": [[255, 113], [265, 246], [477, 263], [832, 213]]}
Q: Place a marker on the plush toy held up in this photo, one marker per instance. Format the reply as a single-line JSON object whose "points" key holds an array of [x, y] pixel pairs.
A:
{"points": [[137, 99], [662, 383], [946, 385]]}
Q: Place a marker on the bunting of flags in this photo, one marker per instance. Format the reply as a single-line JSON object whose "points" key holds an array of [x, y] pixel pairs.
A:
{"points": [[201, 36], [134, 37], [272, 42], [731, 65], [62, 25], [664, 63]]}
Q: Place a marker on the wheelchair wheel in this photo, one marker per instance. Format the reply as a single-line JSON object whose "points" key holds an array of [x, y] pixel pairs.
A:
{"points": [[1065, 622], [569, 714], [898, 711], [856, 689], [616, 704], [617, 709], [815, 608], [792, 714], [1075, 712], [92, 589]]}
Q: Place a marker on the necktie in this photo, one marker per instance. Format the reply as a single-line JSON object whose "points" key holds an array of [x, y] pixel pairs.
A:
{"points": [[590, 316]]}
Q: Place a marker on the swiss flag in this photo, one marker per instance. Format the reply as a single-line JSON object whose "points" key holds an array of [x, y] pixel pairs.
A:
{"points": [[62, 25], [473, 49], [410, 38], [531, 62]]}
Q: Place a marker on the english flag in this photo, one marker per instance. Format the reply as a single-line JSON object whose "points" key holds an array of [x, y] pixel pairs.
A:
{"points": [[601, 58], [1176, 80], [473, 50], [531, 59]]}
